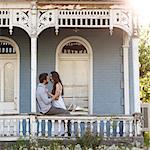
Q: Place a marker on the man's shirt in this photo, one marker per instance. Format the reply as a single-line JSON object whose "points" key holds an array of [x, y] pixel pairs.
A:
{"points": [[44, 103]]}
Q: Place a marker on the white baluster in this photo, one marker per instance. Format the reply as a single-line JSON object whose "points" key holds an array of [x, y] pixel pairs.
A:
{"points": [[1, 127], [33, 126], [66, 128], [101, 22], [86, 22], [53, 128], [72, 128], [130, 128], [124, 128], [21, 127], [86, 126], [79, 129], [59, 127], [98, 127], [81, 22], [139, 127], [91, 126], [15, 127], [40, 128], [111, 128], [135, 128], [105, 128], [96, 22], [8, 127], [71, 22], [117, 130], [46, 128], [27, 127], [106, 21], [11, 127]]}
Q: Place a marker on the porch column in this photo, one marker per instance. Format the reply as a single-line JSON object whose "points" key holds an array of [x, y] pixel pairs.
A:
{"points": [[126, 73], [33, 54], [33, 72], [136, 81]]}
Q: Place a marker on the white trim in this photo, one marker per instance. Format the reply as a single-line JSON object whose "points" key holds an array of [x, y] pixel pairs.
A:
{"points": [[126, 73], [33, 72], [89, 49], [14, 44], [136, 86], [34, 22]]}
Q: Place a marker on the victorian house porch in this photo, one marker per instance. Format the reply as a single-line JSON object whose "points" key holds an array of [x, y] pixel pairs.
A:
{"points": [[94, 47]]}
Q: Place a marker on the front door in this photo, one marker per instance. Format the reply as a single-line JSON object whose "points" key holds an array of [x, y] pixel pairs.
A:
{"points": [[74, 72], [9, 86]]}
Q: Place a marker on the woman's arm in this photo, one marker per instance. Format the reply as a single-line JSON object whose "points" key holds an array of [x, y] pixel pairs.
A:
{"points": [[57, 92]]}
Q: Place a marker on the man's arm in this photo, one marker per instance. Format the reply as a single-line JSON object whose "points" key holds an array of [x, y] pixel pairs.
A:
{"points": [[44, 97]]}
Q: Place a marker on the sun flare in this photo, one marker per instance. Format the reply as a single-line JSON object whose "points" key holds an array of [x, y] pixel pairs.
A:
{"points": [[142, 8]]}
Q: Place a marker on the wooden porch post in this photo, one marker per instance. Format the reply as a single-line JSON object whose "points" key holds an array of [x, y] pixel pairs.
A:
{"points": [[126, 73], [136, 86], [33, 72], [33, 55]]}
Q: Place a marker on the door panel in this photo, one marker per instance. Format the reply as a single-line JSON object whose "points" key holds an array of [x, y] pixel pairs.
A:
{"points": [[8, 103], [9, 73], [66, 72], [80, 72], [74, 75]]}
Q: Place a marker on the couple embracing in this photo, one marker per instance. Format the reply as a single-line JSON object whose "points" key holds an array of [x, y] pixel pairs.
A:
{"points": [[51, 103]]}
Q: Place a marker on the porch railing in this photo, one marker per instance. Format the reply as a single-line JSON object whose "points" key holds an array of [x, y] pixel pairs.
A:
{"points": [[13, 127]]}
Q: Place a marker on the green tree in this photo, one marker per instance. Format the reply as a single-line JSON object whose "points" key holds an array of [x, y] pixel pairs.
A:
{"points": [[144, 58]]}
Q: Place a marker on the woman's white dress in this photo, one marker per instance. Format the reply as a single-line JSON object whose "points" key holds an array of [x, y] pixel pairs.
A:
{"points": [[59, 104]]}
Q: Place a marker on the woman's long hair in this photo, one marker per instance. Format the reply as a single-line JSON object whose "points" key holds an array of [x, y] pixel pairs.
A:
{"points": [[56, 79]]}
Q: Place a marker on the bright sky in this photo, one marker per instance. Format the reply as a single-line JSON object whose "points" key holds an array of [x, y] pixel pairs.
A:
{"points": [[143, 9]]}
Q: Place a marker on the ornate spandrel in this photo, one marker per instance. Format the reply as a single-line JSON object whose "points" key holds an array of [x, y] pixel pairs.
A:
{"points": [[22, 18], [123, 20], [46, 19]]}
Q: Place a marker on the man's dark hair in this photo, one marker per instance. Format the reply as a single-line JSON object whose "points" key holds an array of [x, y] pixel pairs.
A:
{"points": [[42, 77]]}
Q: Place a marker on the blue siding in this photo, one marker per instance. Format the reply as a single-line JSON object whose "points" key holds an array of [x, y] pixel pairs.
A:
{"points": [[107, 73]]}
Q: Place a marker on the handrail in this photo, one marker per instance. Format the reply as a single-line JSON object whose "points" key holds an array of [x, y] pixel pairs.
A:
{"points": [[44, 126]]}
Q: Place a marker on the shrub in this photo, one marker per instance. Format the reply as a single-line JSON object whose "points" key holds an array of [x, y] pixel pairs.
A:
{"points": [[147, 139], [89, 140]]}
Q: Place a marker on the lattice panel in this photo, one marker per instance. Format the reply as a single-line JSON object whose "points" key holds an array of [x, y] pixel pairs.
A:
{"points": [[46, 18], [22, 18]]}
